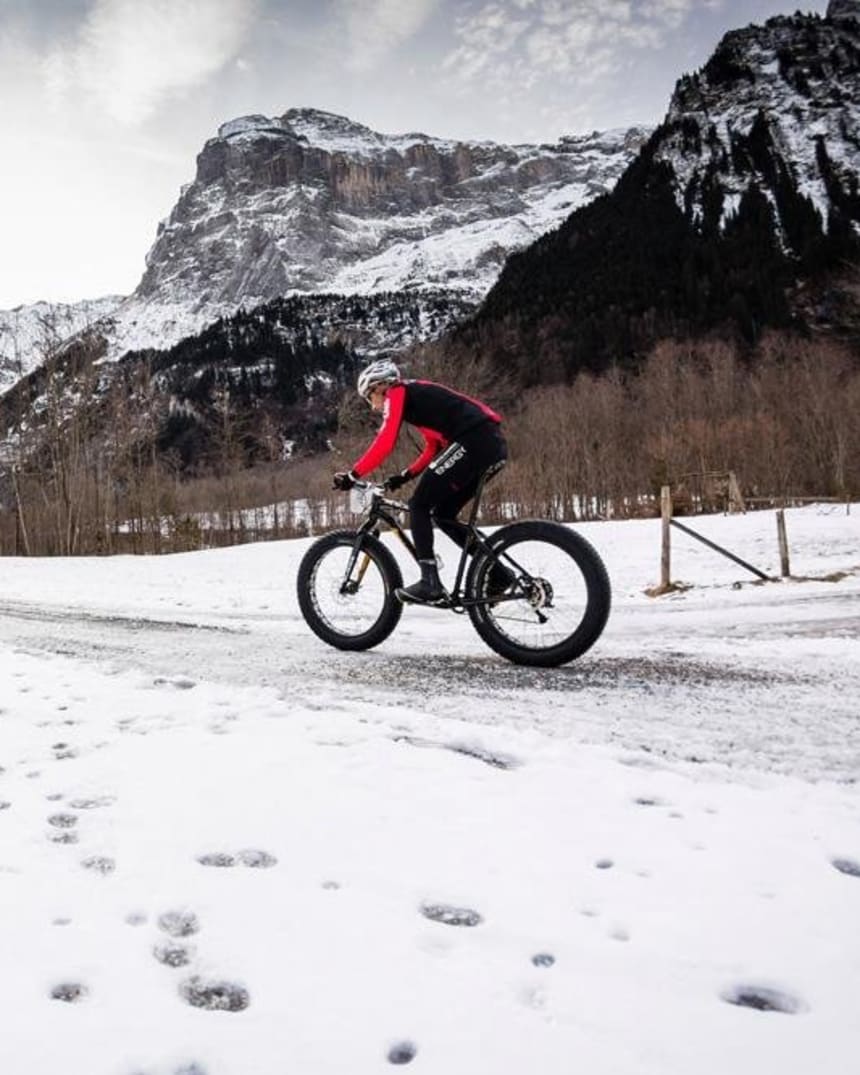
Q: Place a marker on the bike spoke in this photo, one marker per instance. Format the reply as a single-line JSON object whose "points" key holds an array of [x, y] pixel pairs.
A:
{"points": [[350, 606], [550, 600]]}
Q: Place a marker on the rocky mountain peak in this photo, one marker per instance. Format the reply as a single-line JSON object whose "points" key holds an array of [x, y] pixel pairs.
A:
{"points": [[311, 202], [320, 128], [843, 9], [312, 126], [778, 106]]}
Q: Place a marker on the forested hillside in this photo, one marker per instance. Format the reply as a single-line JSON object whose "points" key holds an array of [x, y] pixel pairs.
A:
{"points": [[740, 214]]}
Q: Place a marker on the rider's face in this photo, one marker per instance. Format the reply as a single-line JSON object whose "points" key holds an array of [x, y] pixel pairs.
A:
{"points": [[376, 397]]}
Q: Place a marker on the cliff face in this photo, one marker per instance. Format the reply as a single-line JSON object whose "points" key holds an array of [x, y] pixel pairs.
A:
{"points": [[312, 202], [777, 106], [843, 9], [362, 172]]}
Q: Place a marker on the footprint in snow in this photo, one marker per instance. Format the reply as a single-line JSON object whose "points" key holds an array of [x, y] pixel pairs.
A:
{"points": [[63, 821], [251, 857], [4, 805], [64, 836], [179, 923], [92, 803], [215, 994], [403, 1052], [99, 864], [256, 859], [543, 959], [847, 866], [62, 751], [451, 916], [173, 955], [70, 992], [217, 858], [764, 999]]}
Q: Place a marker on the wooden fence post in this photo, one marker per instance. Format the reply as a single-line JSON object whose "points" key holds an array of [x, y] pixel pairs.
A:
{"points": [[665, 556], [784, 568]]}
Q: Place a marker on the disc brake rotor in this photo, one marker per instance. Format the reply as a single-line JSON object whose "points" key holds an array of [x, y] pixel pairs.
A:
{"points": [[540, 593]]}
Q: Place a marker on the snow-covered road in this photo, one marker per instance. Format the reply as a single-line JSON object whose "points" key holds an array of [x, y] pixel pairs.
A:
{"points": [[730, 671]]}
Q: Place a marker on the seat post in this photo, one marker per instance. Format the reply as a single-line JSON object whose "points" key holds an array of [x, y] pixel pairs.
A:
{"points": [[490, 472]]}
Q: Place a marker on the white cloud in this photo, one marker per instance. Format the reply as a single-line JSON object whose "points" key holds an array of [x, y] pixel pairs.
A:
{"points": [[507, 40], [374, 28], [84, 181], [129, 57], [484, 39], [669, 12]]}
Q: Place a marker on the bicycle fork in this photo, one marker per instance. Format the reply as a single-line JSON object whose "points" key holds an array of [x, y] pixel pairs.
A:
{"points": [[351, 585]]}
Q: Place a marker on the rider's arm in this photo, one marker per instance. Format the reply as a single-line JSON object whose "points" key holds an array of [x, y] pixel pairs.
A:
{"points": [[433, 444], [385, 440]]}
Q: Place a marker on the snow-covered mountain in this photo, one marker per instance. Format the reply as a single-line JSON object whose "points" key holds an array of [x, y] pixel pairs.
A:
{"points": [[742, 212], [777, 105], [28, 333], [315, 202], [336, 237], [311, 203]]}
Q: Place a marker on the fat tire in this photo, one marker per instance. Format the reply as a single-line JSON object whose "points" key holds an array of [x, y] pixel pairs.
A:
{"points": [[388, 568], [594, 574]]}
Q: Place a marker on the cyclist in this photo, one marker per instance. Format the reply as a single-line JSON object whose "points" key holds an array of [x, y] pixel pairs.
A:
{"points": [[462, 440]]}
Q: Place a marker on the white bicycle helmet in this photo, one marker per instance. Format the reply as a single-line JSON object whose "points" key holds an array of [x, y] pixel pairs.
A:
{"points": [[383, 371]]}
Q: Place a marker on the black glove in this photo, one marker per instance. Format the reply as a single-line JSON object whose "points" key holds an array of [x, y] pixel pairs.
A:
{"points": [[343, 480], [396, 480]]}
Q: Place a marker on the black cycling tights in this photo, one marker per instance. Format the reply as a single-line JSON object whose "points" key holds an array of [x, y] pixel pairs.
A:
{"points": [[449, 483]]}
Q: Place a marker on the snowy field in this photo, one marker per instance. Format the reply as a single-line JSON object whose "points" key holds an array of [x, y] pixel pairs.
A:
{"points": [[226, 849]]}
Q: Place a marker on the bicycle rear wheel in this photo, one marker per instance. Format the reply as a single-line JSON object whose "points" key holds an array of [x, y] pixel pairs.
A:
{"points": [[559, 604], [354, 612]]}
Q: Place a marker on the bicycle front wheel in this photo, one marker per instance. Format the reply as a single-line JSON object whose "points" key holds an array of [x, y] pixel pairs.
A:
{"points": [[348, 601], [559, 604]]}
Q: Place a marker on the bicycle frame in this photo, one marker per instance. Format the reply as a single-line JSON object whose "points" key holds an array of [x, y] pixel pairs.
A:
{"points": [[382, 509]]}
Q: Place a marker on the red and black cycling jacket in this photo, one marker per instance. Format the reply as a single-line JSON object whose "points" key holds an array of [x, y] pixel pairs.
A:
{"points": [[440, 415]]}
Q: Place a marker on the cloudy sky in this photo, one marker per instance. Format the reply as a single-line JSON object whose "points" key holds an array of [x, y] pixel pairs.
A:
{"points": [[106, 103]]}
